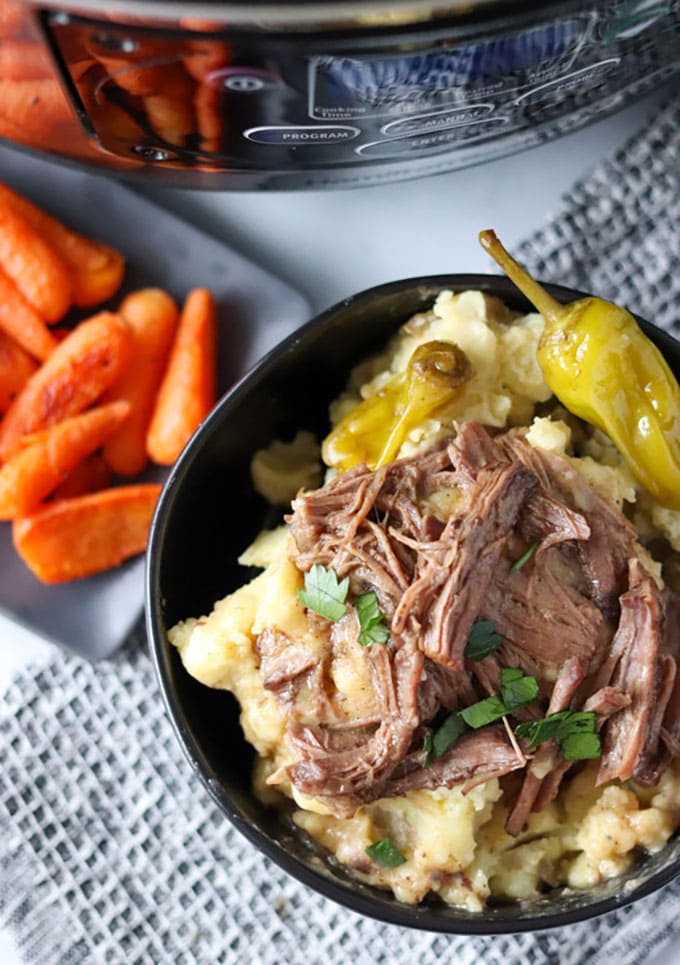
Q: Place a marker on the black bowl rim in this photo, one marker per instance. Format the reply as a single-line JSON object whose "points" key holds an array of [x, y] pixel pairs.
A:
{"points": [[418, 917]]}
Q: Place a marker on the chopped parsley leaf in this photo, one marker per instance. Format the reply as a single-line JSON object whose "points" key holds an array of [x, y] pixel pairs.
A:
{"points": [[581, 747], [373, 628], [574, 731], [448, 734], [525, 557], [385, 854], [483, 712], [516, 689], [323, 593], [482, 640], [538, 731]]}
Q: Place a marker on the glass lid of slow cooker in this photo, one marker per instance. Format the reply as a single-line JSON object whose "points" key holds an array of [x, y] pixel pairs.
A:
{"points": [[207, 14]]}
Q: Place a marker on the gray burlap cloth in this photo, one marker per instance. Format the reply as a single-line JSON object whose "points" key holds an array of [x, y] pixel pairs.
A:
{"points": [[111, 852]]}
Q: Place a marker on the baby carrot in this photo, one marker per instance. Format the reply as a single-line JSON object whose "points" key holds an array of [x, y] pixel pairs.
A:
{"points": [[169, 109], [158, 74], [78, 68], [24, 60], [201, 57], [77, 372], [164, 86], [16, 367], [11, 131], [73, 538], [209, 122], [37, 110], [35, 268], [20, 320], [37, 469], [96, 270], [89, 475], [152, 317], [12, 18], [187, 392]]}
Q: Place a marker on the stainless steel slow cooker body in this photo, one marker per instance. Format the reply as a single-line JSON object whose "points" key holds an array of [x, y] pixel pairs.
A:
{"points": [[311, 95]]}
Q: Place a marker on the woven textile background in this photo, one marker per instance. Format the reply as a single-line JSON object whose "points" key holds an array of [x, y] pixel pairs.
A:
{"points": [[111, 852]]}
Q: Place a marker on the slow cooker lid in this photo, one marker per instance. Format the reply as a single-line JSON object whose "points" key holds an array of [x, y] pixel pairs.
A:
{"points": [[305, 14]]}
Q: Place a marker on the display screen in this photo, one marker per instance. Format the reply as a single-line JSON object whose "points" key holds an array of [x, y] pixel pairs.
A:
{"points": [[352, 87]]}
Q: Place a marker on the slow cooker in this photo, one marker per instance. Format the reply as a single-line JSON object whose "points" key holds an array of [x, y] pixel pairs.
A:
{"points": [[318, 94]]}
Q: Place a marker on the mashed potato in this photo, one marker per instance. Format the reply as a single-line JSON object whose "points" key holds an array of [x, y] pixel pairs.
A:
{"points": [[454, 843]]}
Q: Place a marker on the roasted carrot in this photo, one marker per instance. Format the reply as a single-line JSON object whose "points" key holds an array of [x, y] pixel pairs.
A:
{"points": [[37, 469], [12, 132], [77, 372], [96, 270], [187, 392], [209, 120], [173, 121], [24, 60], [88, 476], [169, 108], [77, 537], [157, 75], [16, 368], [200, 24], [201, 57], [20, 320], [77, 69], [38, 110], [164, 86], [12, 18], [152, 317], [117, 121], [34, 266]]}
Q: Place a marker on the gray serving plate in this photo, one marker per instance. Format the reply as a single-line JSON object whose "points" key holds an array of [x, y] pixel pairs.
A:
{"points": [[256, 310]]}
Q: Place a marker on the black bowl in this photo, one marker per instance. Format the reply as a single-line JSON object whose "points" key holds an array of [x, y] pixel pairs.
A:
{"points": [[208, 513]]}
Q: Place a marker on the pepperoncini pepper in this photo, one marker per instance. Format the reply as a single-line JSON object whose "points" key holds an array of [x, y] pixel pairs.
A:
{"points": [[374, 430], [604, 369]]}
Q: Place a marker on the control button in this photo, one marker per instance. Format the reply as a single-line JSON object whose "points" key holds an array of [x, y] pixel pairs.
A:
{"points": [[438, 120], [243, 80], [302, 135], [434, 143], [566, 82]]}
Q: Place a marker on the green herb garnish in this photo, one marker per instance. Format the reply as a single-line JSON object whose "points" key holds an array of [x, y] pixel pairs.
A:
{"points": [[574, 731], [448, 734], [516, 689], [538, 731], [482, 640], [483, 712], [581, 747], [525, 557], [428, 747], [371, 620], [323, 593], [385, 854]]}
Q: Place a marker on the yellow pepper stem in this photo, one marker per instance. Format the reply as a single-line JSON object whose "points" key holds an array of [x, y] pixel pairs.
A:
{"points": [[605, 370], [550, 309]]}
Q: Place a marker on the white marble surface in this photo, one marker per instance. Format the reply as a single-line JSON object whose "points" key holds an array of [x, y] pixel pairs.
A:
{"points": [[330, 245]]}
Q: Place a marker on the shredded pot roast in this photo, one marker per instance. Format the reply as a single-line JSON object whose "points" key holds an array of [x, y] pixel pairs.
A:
{"points": [[521, 633]]}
